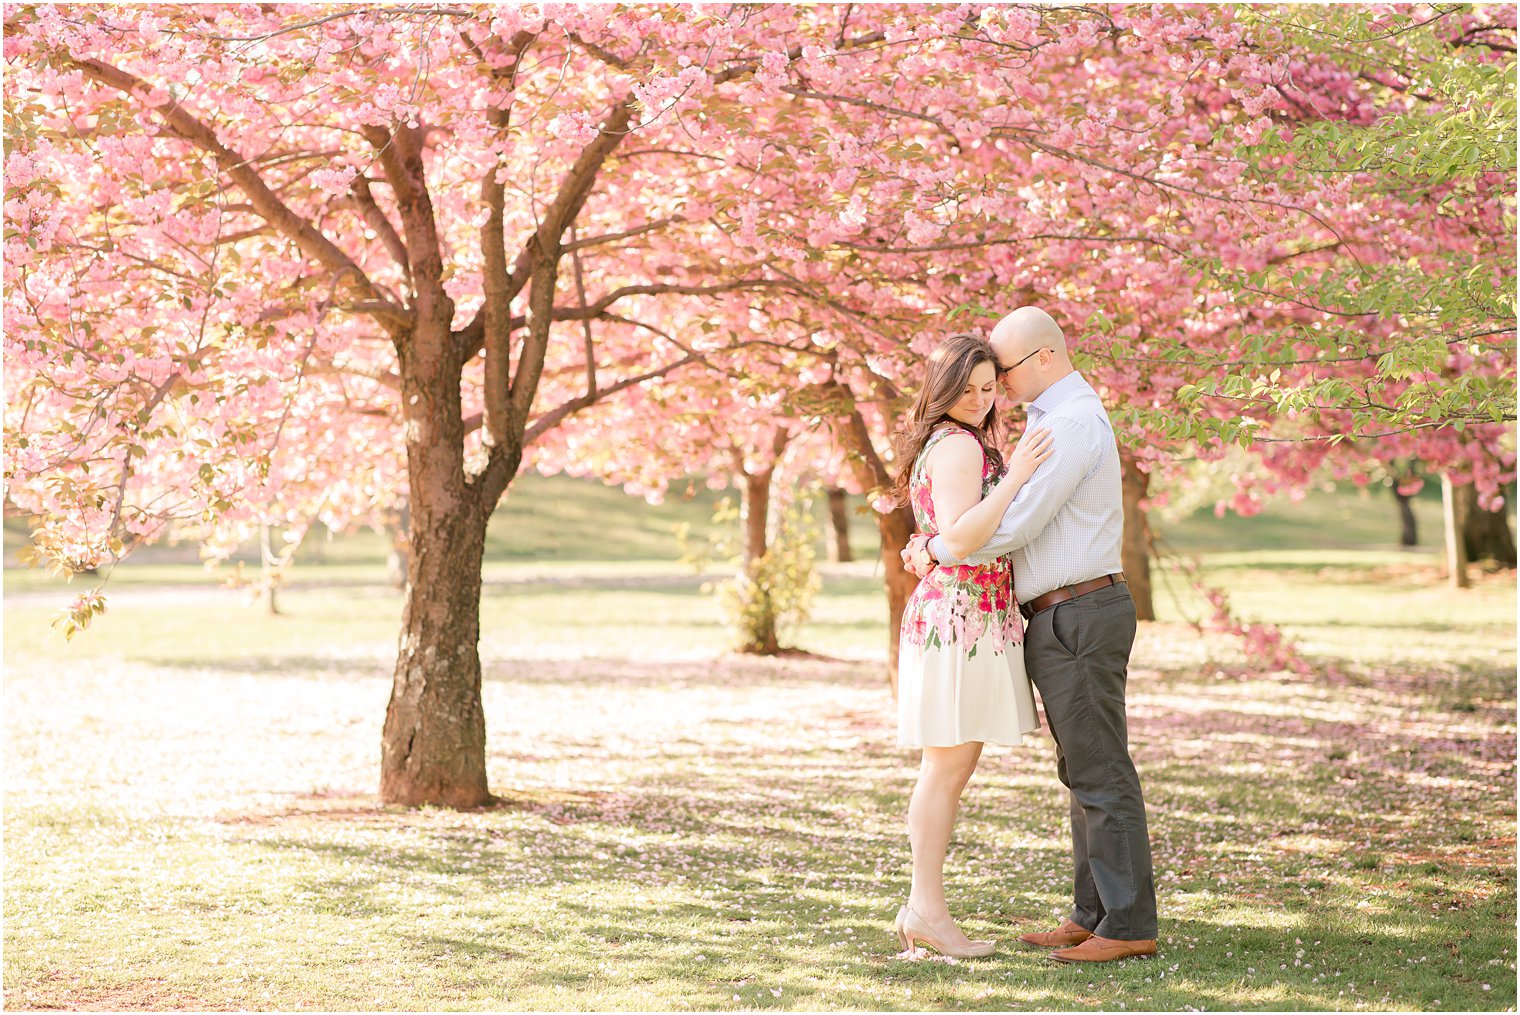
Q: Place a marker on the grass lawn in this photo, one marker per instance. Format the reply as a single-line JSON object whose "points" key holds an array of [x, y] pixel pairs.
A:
{"points": [[191, 820]]}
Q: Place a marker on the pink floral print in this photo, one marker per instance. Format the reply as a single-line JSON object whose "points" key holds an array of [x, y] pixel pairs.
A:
{"points": [[956, 605]]}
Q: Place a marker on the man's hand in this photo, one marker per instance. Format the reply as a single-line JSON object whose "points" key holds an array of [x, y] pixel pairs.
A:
{"points": [[915, 555]]}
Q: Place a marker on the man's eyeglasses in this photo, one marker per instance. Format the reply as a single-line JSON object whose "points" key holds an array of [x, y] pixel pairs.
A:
{"points": [[1002, 370]]}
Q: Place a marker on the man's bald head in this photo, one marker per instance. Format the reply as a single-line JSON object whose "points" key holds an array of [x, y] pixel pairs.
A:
{"points": [[1028, 329], [1031, 352]]}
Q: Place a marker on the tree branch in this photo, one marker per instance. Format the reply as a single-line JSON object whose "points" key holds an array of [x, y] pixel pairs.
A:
{"points": [[592, 241], [386, 378], [444, 12], [596, 309], [792, 55], [544, 251], [377, 220], [554, 417], [268, 206], [496, 310]]}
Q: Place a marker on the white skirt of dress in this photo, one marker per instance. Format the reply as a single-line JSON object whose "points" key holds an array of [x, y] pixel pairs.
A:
{"points": [[947, 696]]}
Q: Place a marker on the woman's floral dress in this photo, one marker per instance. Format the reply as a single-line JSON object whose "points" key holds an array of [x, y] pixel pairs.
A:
{"points": [[960, 675]]}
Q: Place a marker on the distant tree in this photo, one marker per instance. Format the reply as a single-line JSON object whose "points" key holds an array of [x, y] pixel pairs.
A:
{"points": [[839, 526]]}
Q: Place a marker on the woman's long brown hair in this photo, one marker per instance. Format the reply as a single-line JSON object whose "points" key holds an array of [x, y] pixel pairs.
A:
{"points": [[950, 366]]}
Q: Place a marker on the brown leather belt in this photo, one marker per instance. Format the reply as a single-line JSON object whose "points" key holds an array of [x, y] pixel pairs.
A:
{"points": [[1055, 597]]}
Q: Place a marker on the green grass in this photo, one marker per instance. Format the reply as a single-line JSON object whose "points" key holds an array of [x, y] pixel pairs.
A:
{"points": [[191, 820]]}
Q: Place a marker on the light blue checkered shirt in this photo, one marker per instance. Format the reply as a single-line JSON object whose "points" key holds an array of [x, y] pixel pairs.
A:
{"points": [[1066, 524]]}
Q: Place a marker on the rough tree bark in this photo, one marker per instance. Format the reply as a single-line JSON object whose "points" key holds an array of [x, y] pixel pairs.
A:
{"points": [[1135, 550], [433, 744]]}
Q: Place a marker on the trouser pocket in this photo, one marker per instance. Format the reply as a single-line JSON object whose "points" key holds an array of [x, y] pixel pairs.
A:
{"points": [[1065, 626]]}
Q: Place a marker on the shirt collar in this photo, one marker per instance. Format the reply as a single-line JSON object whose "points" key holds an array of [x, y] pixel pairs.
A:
{"points": [[1067, 387]]}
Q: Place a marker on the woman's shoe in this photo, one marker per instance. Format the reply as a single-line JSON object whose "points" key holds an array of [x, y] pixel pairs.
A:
{"points": [[911, 927]]}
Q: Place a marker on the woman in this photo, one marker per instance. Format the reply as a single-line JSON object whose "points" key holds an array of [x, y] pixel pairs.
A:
{"points": [[961, 680]]}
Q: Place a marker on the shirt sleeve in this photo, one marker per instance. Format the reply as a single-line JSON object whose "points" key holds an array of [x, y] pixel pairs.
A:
{"points": [[1051, 486]]}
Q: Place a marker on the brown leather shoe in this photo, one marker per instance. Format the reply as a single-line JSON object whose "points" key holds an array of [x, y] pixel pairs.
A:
{"points": [[1104, 949], [1064, 936]]}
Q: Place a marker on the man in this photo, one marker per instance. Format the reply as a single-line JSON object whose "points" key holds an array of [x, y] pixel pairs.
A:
{"points": [[1063, 533]]}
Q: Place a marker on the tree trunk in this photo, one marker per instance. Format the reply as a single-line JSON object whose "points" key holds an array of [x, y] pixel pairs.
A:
{"points": [[433, 749], [268, 571], [1486, 534], [840, 522], [1409, 533], [896, 527], [758, 617], [1135, 550], [1453, 500], [433, 744], [756, 511]]}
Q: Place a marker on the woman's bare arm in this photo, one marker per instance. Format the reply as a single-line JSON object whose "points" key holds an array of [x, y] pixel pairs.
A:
{"points": [[966, 519]]}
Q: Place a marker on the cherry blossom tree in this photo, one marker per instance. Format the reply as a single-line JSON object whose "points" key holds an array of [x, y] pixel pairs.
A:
{"points": [[262, 261]]}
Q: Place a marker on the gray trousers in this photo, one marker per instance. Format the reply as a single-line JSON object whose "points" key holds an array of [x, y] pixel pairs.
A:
{"points": [[1077, 655]]}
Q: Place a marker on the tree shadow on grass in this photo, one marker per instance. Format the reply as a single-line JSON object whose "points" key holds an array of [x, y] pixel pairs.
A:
{"points": [[715, 921], [805, 939], [1277, 811], [730, 918]]}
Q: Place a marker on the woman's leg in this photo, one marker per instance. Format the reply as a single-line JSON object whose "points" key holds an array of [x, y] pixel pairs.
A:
{"points": [[931, 816]]}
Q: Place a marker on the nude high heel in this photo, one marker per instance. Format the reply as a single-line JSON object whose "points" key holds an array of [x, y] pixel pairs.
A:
{"points": [[911, 927]]}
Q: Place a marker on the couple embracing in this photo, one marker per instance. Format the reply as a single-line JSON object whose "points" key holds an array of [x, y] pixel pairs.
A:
{"points": [[1021, 582]]}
